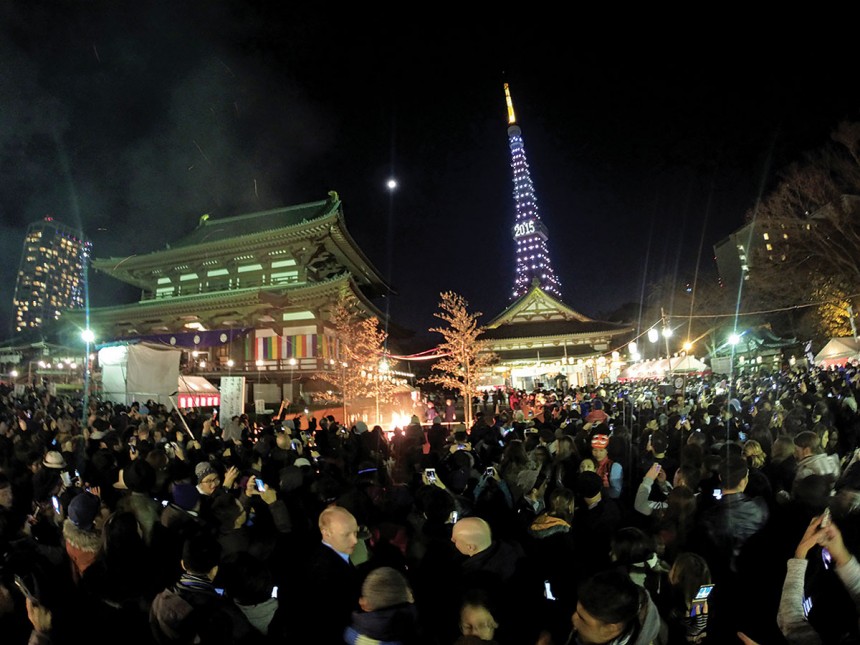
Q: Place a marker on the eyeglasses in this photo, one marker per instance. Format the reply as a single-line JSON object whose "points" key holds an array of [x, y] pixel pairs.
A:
{"points": [[211, 480]]}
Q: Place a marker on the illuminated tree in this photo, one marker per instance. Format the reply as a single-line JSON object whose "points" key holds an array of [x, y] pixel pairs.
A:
{"points": [[361, 369], [464, 355]]}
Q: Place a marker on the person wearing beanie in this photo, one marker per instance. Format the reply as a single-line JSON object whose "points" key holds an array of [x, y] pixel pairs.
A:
{"points": [[82, 532], [209, 480], [609, 471], [387, 614]]}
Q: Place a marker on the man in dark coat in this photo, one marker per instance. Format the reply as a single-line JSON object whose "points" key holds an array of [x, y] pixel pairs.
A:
{"points": [[501, 569], [331, 579]]}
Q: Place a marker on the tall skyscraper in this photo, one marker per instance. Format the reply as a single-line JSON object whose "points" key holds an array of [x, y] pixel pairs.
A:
{"points": [[529, 231], [51, 273]]}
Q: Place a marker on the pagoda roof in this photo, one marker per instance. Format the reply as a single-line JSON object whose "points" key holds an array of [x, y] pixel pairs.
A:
{"points": [[210, 231], [553, 328], [275, 228], [537, 314], [546, 353], [262, 298]]}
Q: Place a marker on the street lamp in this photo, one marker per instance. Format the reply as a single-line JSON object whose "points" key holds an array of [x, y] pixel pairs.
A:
{"points": [[292, 363], [88, 336]]}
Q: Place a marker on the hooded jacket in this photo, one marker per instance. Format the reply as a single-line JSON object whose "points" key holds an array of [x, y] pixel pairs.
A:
{"points": [[820, 464], [649, 629], [730, 522], [82, 546], [546, 525]]}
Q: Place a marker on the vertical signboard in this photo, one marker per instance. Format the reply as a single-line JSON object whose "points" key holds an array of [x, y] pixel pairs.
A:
{"points": [[232, 397]]}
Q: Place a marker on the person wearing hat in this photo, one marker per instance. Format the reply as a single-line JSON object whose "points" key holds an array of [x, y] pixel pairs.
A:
{"points": [[82, 532], [138, 478], [54, 459], [610, 472]]}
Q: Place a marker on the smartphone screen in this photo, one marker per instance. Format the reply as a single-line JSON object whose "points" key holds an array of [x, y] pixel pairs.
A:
{"points": [[431, 474], [55, 501], [490, 472], [718, 494], [547, 590], [261, 486], [275, 591], [703, 593], [826, 558]]}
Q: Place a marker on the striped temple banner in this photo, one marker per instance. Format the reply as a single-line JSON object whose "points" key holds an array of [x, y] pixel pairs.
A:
{"points": [[267, 349], [273, 348]]}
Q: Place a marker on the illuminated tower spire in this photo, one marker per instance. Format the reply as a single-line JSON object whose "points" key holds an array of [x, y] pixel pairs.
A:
{"points": [[529, 231]]}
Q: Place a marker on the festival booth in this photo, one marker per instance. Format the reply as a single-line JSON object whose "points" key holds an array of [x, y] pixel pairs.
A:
{"points": [[141, 371], [197, 392], [838, 351], [658, 368]]}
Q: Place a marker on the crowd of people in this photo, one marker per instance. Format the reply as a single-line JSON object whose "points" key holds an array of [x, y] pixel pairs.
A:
{"points": [[722, 512]]}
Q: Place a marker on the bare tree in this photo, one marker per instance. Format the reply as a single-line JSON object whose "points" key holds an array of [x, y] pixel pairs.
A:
{"points": [[811, 220], [465, 356]]}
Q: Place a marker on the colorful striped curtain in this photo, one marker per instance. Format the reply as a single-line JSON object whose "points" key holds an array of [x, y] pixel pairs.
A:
{"points": [[274, 348]]}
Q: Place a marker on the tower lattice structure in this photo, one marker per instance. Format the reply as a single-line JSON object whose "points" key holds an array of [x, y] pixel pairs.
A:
{"points": [[529, 232]]}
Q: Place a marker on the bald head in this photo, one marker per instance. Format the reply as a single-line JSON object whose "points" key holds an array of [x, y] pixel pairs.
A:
{"points": [[471, 535], [339, 529]]}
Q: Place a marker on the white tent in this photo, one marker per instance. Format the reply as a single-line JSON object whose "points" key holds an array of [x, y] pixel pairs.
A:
{"points": [[658, 368], [141, 371], [687, 365], [838, 351]]}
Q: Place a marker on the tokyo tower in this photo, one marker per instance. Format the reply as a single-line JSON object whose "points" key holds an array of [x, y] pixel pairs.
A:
{"points": [[529, 231]]}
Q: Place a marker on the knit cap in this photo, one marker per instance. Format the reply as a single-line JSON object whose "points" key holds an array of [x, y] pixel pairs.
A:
{"points": [[203, 469], [83, 510]]}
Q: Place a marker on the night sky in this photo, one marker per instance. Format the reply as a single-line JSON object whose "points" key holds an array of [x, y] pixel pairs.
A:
{"points": [[645, 144]]}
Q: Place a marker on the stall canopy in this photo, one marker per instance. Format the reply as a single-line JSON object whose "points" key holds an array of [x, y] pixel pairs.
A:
{"points": [[197, 392], [658, 368], [838, 351]]}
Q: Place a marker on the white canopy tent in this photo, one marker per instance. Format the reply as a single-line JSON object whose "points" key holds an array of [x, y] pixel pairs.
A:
{"points": [[838, 351], [142, 371], [658, 368]]}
